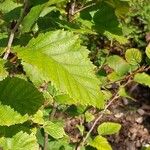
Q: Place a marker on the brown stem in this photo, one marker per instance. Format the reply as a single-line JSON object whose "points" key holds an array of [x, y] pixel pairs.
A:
{"points": [[97, 120], [12, 33]]}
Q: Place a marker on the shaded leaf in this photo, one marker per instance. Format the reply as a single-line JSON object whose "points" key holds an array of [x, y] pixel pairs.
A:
{"points": [[105, 19], [20, 95], [10, 131], [59, 144]]}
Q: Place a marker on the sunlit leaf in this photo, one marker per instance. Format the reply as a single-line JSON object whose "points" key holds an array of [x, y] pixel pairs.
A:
{"points": [[133, 56], [108, 128], [20, 141], [100, 143], [58, 57], [54, 130]]}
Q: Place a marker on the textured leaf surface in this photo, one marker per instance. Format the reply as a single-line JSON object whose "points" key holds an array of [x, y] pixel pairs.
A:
{"points": [[133, 56], [20, 141], [100, 143], [59, 57], [10, 117], [38, 117], [8, 5], [119, 65], [54, 130], [142, 78], [108, 128], [20, 95], [3, 72]]}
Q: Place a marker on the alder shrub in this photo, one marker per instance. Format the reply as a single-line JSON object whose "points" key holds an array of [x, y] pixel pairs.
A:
{"points": [[45, 70]]}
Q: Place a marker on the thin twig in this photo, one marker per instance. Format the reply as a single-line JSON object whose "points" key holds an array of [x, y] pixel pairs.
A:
{"points": [[12, 33], [97, 120], [45, 141], [83, 8]]}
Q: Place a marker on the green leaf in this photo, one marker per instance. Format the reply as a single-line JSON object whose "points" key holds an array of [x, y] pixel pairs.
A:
{"points": [[8, 5], [54, 130], [58, 57], [3, 72], [20, 95], [148, 51], [30, 19], [122, 8], [120, 39], [89, 117], [61, 144], [108, 128], [114, 76], [122, 92], [10, 131], [105, 19], [133, 56], [6, 118], [142, 78], [20, 141], [100, 143], [38, 117], [64, 99], [119, 65]]}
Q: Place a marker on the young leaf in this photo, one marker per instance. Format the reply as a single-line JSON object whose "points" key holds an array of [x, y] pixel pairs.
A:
{"points": [[3, 72], [119, 65], [100, 143], [133, 56], [20, 141], [38, 117], [54, 130], [108, 128], [142, 78], [20, 95], [122, 92], [58, 57], [89, 116]]}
